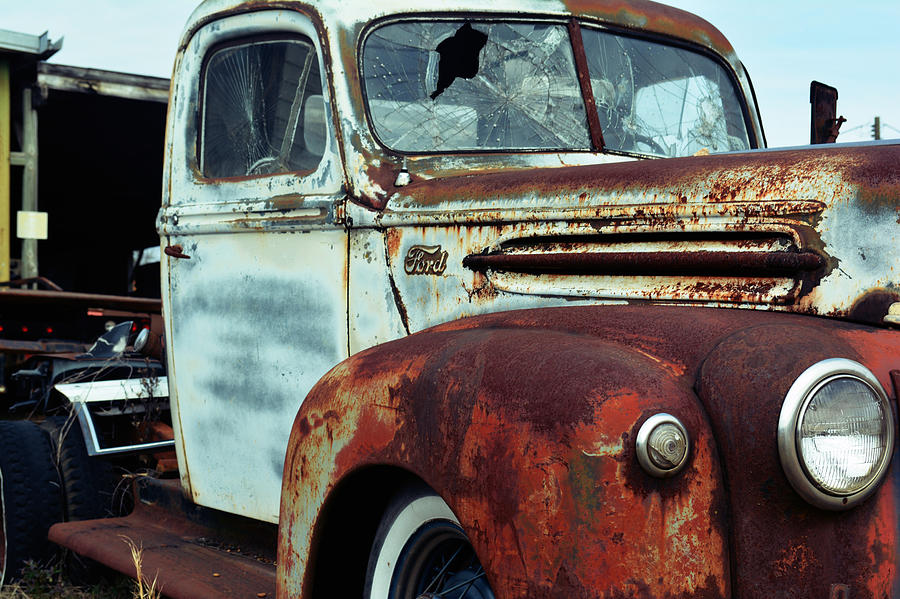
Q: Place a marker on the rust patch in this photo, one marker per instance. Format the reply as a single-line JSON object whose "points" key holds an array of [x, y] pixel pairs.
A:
{"points": [[391, 248], [798, 559], [175, 251], [286, 202], [775, 175], [873, 306], [742, 384], [650, 16]]}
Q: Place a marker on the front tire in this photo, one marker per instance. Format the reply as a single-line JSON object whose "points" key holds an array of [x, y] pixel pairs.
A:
{"points": [[420, 549]]}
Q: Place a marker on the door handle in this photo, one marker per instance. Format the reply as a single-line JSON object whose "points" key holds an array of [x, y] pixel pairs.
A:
{"points": [[176, 251]]}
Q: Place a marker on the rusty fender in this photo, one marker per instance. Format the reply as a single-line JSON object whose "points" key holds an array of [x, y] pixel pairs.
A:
{"points": [[525, 422], [528, 435], [784, 547]]}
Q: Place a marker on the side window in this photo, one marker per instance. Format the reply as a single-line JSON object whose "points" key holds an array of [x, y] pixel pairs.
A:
{"points": [[262, 109]]}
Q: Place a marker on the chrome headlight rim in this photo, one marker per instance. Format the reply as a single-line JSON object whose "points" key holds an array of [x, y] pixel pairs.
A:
{"points": [[798, 398]]}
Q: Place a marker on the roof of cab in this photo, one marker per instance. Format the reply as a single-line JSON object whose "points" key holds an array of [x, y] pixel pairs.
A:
{"points": [[643, 15]]}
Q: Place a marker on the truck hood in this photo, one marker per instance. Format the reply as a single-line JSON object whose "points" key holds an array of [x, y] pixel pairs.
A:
{"points": [[810, 230]]}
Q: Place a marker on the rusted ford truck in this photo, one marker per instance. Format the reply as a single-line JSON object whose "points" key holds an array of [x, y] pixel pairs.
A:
{"points": [[509, 300]]}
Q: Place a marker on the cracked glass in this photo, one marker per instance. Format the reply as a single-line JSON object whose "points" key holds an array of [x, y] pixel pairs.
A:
{"points": [[455, 85], [263, 110], [661, 100]]}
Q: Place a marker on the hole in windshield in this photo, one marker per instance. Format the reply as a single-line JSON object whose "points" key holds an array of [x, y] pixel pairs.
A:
{"points": [[459, 57]]}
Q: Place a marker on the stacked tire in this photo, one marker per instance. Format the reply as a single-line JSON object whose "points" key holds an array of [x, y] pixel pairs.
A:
{"points": [[47, 476], [30, 496], [88, 484], [87, 487]]}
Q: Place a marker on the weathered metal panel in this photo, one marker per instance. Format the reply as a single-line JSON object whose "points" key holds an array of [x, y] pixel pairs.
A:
{"points": [[780, 543], [257, 302], [375, 315], [189, 552], [254, 321], [837, 207]]}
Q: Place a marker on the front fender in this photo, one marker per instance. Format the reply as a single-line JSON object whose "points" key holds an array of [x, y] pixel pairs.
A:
{"points": [[528, 435], [784, 546]]}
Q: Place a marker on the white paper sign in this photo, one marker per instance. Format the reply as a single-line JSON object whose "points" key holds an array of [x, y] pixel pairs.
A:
{"points": [[31, 225]]}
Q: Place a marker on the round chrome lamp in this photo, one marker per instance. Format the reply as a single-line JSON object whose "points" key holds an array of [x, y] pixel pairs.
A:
{"points": [[835, 434]]}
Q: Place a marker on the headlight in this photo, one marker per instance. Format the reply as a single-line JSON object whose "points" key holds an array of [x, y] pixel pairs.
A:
{"points": [[835, 434]]}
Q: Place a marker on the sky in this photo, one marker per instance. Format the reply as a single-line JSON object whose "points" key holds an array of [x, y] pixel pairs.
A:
{"points": [[784, 45]]}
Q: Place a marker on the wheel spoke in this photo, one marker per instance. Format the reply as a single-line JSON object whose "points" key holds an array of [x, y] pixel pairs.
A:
{"points": [[443, 569], [468, 582], [480, 573]]}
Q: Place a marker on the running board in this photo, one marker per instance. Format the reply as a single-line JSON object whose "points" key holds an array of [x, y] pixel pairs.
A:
{"points": [[191, 551]]}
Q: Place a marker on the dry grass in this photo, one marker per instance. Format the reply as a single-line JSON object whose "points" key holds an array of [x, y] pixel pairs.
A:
{"points": [[48, 582], [144, 588]]}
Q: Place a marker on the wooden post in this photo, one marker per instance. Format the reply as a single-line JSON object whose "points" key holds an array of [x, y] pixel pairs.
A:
{"points": [[29, 181], [5, 148]]}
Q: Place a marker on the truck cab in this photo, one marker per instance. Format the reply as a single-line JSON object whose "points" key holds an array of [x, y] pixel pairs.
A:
{"points": [[520, 283]]}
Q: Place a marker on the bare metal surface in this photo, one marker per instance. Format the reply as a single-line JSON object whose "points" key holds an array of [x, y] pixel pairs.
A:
{"points": [[98, 391], [119, 396]]}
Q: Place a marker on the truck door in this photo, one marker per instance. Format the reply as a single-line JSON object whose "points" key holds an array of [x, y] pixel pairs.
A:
{"points": [[255, 260]]}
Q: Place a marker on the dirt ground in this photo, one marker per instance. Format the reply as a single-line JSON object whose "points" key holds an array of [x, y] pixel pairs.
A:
{"points": [[50, 583]]}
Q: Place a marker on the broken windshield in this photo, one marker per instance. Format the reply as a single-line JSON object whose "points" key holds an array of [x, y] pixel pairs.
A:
{"points": [[449, 85], [444, 86], [661, 100]]}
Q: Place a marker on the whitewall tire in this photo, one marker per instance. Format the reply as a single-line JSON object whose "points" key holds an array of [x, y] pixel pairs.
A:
{"points": [[420, 548]]}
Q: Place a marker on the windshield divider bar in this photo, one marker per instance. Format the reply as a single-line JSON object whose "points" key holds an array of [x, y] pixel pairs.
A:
{"points": [[587, 91]]}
